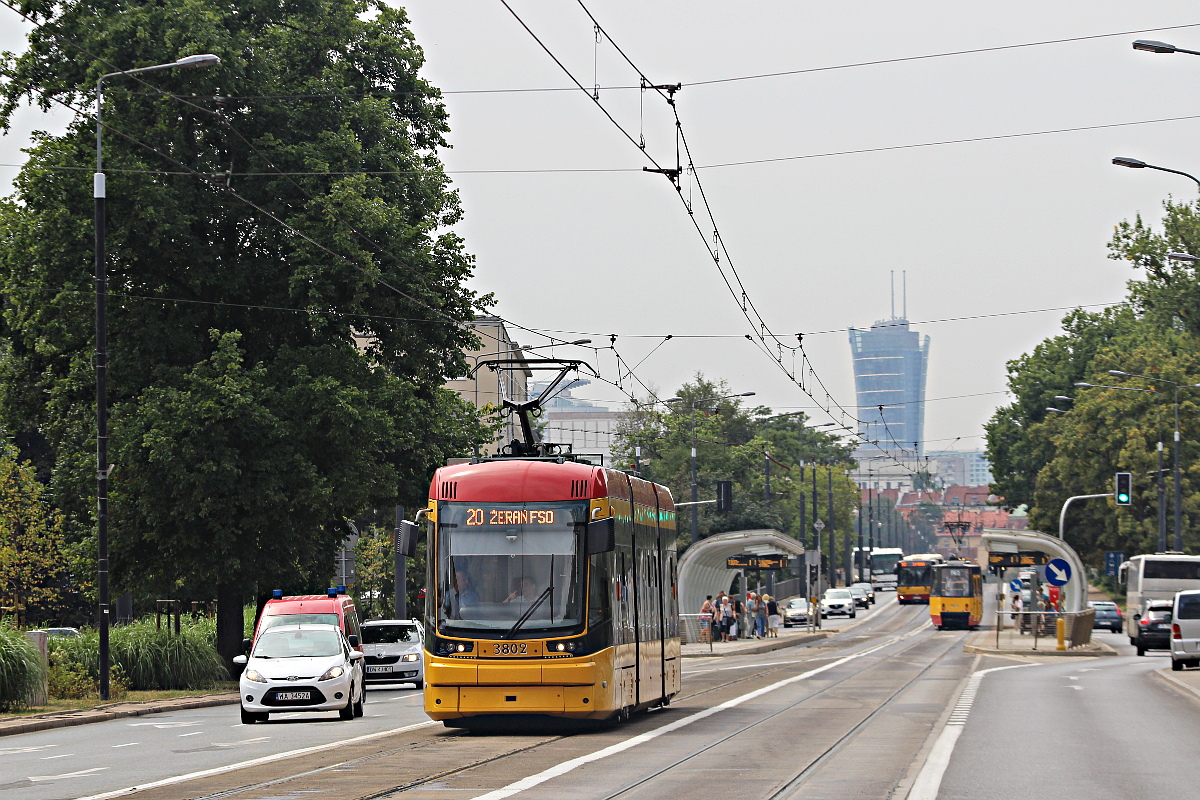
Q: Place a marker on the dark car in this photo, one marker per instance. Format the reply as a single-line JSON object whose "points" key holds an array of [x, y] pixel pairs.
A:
{"points": [[1153, 627], [1108, 616]]}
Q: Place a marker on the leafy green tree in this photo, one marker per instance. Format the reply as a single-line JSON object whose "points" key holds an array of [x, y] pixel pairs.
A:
{"points": [[33, 561], [247, 425], [732, 443]]}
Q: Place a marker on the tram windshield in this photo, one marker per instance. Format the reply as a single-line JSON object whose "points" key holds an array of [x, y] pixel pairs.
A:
{"points": [[953, 582], [509, 566]]}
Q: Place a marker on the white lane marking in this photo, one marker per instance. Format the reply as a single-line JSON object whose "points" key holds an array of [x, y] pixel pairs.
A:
{"points": [[1072, 678], [1076, 688], [193, 733], [176, 724], [929, 779], [253, 762], [33, 748], [79, 774], [258, 740], [571, 764], [64, 755], [127, 744]]}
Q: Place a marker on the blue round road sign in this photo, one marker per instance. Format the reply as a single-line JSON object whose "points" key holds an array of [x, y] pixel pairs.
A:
{"points": [[1058, 572], [1015, 584]]}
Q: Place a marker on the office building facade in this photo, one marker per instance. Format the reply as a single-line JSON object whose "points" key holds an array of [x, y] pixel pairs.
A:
{"points": [[890, 364]]}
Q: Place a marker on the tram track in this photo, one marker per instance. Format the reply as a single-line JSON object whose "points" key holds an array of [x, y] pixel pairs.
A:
{"points": [[815, 763], [881, 627]]}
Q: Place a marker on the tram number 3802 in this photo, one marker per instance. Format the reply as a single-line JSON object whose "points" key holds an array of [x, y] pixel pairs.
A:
{"points": [[511, 648]]}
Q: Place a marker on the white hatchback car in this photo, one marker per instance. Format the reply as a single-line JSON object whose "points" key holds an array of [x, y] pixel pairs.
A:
{"points": [[302, 668], [838, 601], [394, 651]]}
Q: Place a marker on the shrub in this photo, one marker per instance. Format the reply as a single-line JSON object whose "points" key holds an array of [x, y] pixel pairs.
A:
{"points": [[21, 668], [149, 658]]}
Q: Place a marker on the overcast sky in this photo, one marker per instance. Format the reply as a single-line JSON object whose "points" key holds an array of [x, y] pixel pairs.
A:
{"points": [[575, 240]]}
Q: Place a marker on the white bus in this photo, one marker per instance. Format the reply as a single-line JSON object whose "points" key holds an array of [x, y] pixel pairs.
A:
{"points": [[883, 567], [1155, 577]]}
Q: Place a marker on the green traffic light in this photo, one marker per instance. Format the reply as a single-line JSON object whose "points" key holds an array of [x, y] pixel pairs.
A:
{"points": [[1122, 498]]}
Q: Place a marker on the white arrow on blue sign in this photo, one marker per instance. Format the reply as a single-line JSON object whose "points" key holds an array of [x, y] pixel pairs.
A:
{"points": [[1058, 572], [1015, 584]]}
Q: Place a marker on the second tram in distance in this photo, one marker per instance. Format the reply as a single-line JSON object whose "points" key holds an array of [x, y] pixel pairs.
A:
{"points": [[552, 590], [913, 577], [956, 595]]}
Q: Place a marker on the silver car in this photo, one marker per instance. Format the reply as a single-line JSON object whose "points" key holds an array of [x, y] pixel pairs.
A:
{"points": [[838, 601], [394, 650]]}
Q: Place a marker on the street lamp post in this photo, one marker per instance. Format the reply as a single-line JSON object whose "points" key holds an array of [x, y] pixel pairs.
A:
{"points": [[1134, 163], [101, 278], [695, 485]]}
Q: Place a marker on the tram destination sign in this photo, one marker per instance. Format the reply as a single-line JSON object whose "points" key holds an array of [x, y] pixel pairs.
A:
{"points": [[756, 562], [1025, 558]]}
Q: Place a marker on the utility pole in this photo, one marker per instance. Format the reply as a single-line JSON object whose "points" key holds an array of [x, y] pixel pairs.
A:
{"points": [[832, 528]]}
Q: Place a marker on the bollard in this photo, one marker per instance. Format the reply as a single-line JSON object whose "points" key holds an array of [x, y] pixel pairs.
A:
{"points": [[1060, 627]]}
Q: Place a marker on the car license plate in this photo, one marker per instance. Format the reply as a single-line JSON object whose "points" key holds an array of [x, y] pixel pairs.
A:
{"points": [[384, 668], [293, 695]]}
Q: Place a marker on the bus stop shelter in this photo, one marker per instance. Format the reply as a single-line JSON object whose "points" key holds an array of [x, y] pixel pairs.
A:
{"points": [[1075, 589], [702, 569]]}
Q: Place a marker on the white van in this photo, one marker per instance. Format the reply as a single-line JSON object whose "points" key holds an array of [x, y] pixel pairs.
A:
{"points": [[1185, 630]]}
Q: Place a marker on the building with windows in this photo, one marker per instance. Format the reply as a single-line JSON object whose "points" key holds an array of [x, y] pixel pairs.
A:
{"points": [[957, 468], [890, 364], [587, 426]]}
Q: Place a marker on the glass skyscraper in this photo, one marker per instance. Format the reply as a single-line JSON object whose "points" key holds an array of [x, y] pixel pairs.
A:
{"points": [[890, 362]]}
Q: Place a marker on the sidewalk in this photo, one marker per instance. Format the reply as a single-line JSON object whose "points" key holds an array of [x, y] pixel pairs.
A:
{"points": [[788, 637], [10, 726]]}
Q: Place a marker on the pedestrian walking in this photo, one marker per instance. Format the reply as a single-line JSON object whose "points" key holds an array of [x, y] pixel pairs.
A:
{"points": [[706, 619], [739, 616], [760, 617], [773, 616]]}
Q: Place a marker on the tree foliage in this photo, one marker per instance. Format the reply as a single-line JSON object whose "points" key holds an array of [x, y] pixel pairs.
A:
{"points": [[734, 443], [247, 424], [33, 561], [1041, 457]]}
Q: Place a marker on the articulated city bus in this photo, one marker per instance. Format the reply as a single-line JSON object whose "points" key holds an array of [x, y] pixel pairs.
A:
{"points": [[552, 590]]}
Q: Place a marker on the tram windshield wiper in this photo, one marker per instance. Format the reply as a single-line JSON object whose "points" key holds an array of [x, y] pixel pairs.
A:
{"points": [[529, 612]]}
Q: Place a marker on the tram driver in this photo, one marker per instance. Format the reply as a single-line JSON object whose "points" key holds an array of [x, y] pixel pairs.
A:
{"points": [[524, 590], [462, 593]]}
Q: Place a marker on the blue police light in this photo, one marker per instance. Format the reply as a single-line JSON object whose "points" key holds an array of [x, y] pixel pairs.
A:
{"points": [[277, 593], [331, 591], [341, 588]]}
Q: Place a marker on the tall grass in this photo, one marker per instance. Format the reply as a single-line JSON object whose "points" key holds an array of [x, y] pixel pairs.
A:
{"points": [[21, 668], [149, 658]]}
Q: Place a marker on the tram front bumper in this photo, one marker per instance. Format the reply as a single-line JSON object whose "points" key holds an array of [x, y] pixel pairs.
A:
{"points": [[449, 702]]}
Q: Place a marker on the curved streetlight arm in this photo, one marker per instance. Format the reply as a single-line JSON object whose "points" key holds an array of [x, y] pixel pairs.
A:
{"points": [[1134, 163], [1152, 46], [1062, 515]]}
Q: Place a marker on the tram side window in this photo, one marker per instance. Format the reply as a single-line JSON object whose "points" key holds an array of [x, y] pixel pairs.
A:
{"points": [[599, 600]]}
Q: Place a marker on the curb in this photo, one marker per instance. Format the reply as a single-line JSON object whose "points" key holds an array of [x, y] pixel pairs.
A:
{"points": [[1176, 684], [67, 719], [778, 644], [1101, 649]]}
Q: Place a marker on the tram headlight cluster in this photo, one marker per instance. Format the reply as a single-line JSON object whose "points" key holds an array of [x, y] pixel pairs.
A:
{"points": [[445, 647]]}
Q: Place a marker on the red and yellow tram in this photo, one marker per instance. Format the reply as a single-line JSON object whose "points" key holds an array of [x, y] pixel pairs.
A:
{"points": [[551, 590]]}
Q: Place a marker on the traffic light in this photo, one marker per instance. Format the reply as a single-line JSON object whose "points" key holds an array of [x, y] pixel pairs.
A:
{"points": [[1124, 493], [724, 496]]}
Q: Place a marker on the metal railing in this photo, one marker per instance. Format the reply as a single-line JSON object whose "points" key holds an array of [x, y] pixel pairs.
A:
{"points": [[1077, 625]]}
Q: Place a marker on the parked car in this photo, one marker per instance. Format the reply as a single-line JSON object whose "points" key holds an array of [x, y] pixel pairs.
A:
{"points": [[302, 668], [394, 651], [795, 612], [1185, 630], [61, 633], [860, 596], [1108, 615], [838, 601], [868, 588], [1153, 627]]}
